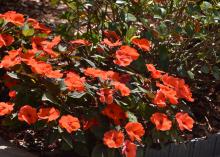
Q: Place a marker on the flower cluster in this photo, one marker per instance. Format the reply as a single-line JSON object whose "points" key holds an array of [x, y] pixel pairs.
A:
{"points": [[73, 90]]}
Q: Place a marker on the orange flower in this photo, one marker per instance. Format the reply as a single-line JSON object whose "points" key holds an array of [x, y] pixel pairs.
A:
{"points": [[129, 149], [160, 99], [125, 55], [6, 108], [74, 82], [6, 40], [12, 94], [42, 68], [13, 17], [182, 89], [11, 60], [80, 42], [111, 43], [144, 44], [28, 114], [38, 26], [168, 93], [115, 112], [69, 123], [106, 96], [48, 113], [135, 130], [104, 75], [113, 139], [184, 121], [154, 72], [124, 90], [48, 46], [161, 121]]}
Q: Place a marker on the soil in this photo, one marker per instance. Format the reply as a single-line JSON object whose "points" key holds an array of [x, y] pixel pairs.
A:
{"points": [[206, 107]]}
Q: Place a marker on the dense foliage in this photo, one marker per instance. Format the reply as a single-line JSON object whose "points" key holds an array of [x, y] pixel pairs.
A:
{"points": [[94, 87]]}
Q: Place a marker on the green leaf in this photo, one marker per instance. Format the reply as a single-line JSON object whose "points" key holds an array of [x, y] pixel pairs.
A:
{"points": [[99, 151], [131, 117], [216, 72], [206, 5], [13, 75], [67, 140], [26, 31], [130, 17], [130, 33], [190, 74], [205, 69], [48, 97], [76, 95], [163, 57]]}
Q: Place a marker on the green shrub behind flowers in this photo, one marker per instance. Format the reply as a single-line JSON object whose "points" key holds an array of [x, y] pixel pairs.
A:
{"points": [[98, 97]]}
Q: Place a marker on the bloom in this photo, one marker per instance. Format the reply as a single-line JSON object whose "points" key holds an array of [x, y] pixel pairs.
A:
{"points": [[6, 108], [111, 43], [28, 114], [161, 121], [38, 26], [182, 89], [135, 130], [154, 72], [69, 123], [184, 121], [12, 94], [113, 139], [48, 113], [125, 55], [124, 90], [13, 17], [106, 96], [11, 59], [80, 42], [144, 44], [115, 112], [129, 149], [74, 82], [6, 40]]}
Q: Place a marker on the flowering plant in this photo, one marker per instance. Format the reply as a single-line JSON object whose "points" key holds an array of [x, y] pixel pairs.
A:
{"points": [[85, 92]]}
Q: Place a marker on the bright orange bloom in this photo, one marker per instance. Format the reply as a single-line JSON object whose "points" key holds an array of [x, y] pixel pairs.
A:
{"points": [[42, 68], [6, 40], [80, 42], [184, 121], [6, 108], [106, 95], [124, 90], [113, 139], [38, 26], [13, 17], [49, 114], [135, 130], [28, 114], [48, 46], [144, 44], [12, 94], [74, 82], [104, 75], [154, 72], [125, 55], [11, 59], [111, 43], [129, 149], [168, 93], [160, 99], [115, 112], [69, 123], [161, 121], [182, 89]]}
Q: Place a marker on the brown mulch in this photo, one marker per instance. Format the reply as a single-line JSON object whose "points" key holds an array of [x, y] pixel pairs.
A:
{"points": [[38, 9]]}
